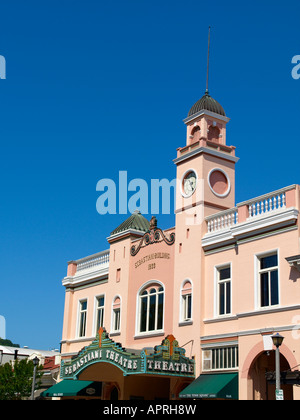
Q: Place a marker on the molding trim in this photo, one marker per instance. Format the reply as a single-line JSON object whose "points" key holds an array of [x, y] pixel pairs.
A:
{"points": [[97, 276], [254, 225], [269, 310], [261, 331], [125, 233], [208, 151], [208, 113]]}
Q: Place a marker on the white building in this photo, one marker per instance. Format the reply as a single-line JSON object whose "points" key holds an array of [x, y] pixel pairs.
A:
{"points": [[2, 327]]}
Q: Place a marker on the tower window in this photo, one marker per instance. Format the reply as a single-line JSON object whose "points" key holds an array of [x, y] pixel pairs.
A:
{"points": [[213, 134], [195, 133]]}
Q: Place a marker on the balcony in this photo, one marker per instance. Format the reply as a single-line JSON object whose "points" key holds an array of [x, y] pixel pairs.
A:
{"points": [[205, 146], [86, 270], [204, 143], [93, 261], [271, 211]]}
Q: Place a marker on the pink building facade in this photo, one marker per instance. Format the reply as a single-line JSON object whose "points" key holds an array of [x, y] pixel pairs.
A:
{"points": [[185, 312]]}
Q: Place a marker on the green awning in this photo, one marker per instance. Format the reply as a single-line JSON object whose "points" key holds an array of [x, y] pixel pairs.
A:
{"points": [[71, 388], [219, 385]]}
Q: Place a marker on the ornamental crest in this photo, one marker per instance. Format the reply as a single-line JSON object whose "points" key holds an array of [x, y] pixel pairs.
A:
{"points": [[169, 349], [154, 235]]}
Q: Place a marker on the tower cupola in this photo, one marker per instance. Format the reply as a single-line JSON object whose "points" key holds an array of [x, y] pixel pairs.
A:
{"points": [[207, 103], [206, 120]]}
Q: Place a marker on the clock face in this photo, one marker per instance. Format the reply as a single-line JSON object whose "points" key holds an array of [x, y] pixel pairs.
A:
{"points": [[189, 183]]}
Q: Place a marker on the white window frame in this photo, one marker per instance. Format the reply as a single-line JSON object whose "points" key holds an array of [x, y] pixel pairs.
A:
{"points": [[79, 313], [218, 268], [96, 309], [116, 312], [138, 332], [223, 350], [183, 309], [258, 272], [186, 301], [116, 320]]}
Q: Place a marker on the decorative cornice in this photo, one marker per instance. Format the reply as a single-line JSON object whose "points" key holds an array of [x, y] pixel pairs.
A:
{"points": [[81, 279], [125, 234], [294, 262], [200, 150]]}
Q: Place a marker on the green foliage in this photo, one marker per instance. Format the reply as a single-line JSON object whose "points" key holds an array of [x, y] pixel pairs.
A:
{"points": [[16, 379], [9, 343]]}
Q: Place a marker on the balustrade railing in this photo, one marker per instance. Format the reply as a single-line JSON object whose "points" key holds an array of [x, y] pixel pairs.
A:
{"points": [[267, 204], [222, 220], [102, 258], [257, 207]]}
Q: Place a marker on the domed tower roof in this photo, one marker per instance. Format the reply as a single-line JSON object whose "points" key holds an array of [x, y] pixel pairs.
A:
{"points": [[207, 103], [136, 221]]}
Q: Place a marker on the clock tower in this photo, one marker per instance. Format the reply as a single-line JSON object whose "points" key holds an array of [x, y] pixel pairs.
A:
{"points": [[205, 185], [205, 165]]}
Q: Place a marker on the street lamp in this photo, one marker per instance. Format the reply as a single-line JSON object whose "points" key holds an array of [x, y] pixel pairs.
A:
{"points": [[277, 341], [35, 363]]}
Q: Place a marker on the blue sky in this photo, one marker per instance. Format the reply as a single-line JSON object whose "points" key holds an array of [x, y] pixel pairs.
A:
{"points": [[95, 87]]}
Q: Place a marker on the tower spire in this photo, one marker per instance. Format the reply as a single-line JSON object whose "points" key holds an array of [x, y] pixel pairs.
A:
{"points": [[208, 51]]}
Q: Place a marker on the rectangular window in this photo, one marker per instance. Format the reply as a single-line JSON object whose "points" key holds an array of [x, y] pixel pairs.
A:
{"points": [[224, 290], [82, 318], [206, 360], [186, 302], [116, 319], [160, 311], [220, 358], [99, 313], [144, 301], [268, 280], [186, 307], [152, 310]]}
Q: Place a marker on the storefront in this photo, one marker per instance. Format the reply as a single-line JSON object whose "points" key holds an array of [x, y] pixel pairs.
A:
{"points": [[221, 386]]}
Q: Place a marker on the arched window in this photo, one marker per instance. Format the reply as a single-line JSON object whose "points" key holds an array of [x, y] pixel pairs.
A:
{"points": [[186, 301], [116, 315], [195, 133], [213, 134], [151, 308]]}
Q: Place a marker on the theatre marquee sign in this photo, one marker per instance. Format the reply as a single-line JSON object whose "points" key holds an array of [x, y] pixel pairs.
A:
{"points": [[166, 359]]}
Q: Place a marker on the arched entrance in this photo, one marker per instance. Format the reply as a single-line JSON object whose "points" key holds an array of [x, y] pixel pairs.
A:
{"points": [[114, 394], [262, 389]]}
